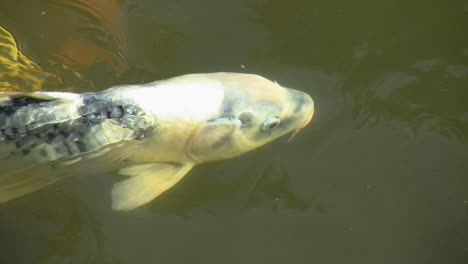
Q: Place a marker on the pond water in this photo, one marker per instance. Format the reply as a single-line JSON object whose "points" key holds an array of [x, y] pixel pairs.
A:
{"points": [[380, 175]]}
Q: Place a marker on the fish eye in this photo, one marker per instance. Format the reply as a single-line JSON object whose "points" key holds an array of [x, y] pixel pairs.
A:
{"points": [[271, 123]]}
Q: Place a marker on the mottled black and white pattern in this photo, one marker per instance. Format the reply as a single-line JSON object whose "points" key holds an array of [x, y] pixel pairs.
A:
{"points": [[59, 128]]}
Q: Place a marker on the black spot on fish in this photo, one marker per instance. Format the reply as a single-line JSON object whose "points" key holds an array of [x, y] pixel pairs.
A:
{"points": [[67, 147], [24, 101], [81, 146], [298, 99], [49, 137], [43, 153], [299, 104], [10, 107], [68, 137], [246, 119], [19, 143], [117, 112], [227, 110]]}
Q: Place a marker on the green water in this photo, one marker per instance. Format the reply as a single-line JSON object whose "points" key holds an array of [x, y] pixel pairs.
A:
{"points": [[379, 176]]}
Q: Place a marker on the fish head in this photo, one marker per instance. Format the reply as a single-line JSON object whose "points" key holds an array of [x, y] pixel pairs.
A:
{"points": [[254, 111]]}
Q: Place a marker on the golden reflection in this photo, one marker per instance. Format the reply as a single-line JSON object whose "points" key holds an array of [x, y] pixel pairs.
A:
{"points": [[69, 43], [18, 72]]}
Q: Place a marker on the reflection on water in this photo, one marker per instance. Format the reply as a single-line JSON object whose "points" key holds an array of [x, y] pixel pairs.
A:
{"points": [[92, 31], [74, 41], [17, 71], [229, 190], [272, 189], [63, 233], [415, 74], [425, 99]]}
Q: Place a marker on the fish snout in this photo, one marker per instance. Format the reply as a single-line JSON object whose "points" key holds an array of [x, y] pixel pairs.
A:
{"points": [[303, 110], [304, 107]]}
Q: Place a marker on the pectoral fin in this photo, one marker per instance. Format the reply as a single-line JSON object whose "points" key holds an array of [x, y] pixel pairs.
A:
{"points": [[147, 182]]}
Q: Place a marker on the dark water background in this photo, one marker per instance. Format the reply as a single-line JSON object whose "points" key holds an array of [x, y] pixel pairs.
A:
{"points": [[379, 176]]}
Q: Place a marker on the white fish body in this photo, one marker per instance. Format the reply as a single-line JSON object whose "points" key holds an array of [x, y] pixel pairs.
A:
{"points": [[154, 133]]}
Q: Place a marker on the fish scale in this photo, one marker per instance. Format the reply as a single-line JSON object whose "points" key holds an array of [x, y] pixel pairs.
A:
{"points": [[39, 131]]}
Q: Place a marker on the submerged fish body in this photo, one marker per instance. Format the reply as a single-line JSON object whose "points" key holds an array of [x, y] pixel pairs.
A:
{"points": [[153, 133]]}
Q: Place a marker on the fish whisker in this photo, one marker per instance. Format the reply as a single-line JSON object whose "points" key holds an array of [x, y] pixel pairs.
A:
{"points": [[293, 134]]}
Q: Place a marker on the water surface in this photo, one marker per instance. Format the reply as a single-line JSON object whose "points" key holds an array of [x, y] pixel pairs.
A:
{"points": [[379, 176]]}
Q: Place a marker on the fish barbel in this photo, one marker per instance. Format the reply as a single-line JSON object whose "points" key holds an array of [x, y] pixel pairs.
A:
{"points": [[153, 133]]}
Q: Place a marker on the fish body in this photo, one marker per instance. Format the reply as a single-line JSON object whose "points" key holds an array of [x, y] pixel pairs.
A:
{"points": [[153, 133]]}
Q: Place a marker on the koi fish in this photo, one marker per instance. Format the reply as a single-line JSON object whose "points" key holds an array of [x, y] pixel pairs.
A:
{"points": [[153, 134]]}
